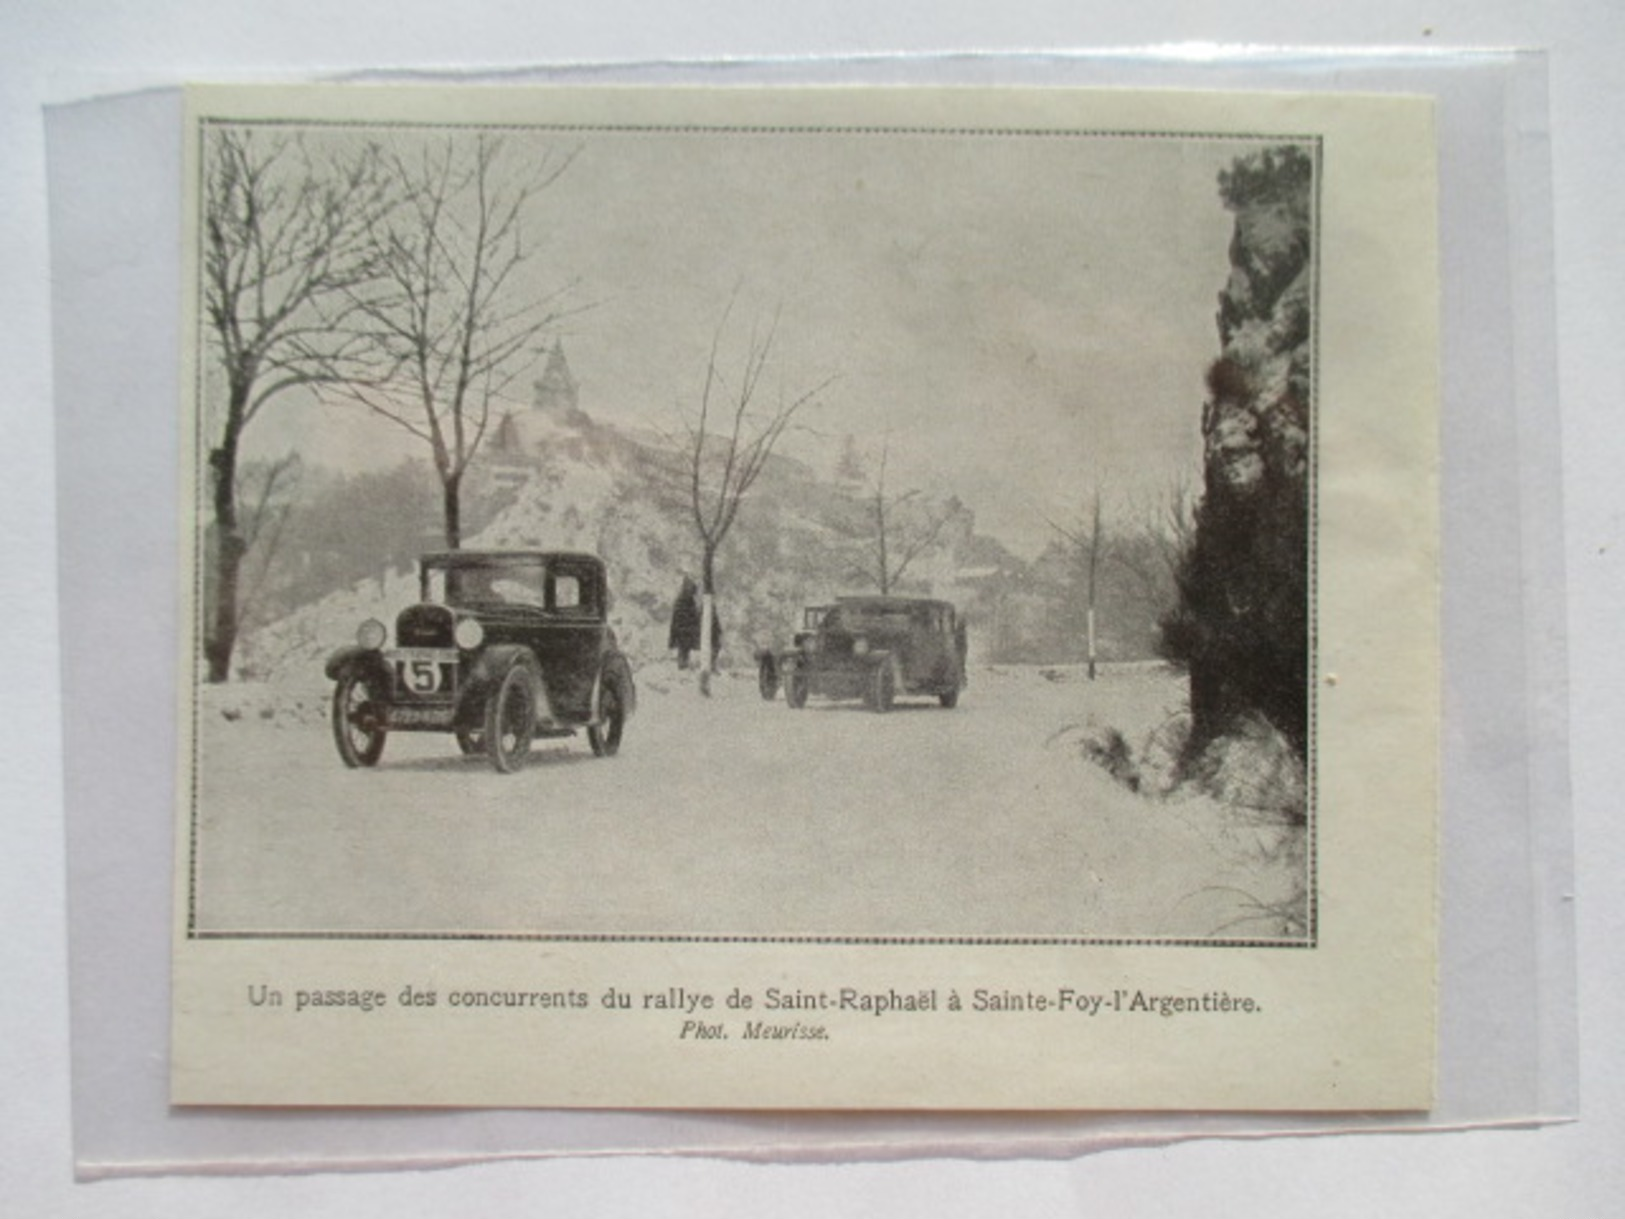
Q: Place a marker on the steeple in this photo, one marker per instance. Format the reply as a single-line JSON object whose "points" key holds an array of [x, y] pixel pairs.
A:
{"points": [[557, 390]]}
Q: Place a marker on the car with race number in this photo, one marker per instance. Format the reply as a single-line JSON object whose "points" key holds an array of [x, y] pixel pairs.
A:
{"points": [[503, 647]]}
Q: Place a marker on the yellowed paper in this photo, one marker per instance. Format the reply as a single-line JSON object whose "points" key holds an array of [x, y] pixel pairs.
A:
{"points": [[943, 829]]}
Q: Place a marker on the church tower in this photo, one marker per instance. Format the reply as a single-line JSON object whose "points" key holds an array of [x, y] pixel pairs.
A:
{"points": [[558, 390]]}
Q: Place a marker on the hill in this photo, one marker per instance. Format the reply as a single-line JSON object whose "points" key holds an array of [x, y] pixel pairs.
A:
{"points": [[568, 482]]}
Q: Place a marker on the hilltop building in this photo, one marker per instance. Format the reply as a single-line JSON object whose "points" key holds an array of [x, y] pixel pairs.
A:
{"points": [[557, 392], [555, 397]]}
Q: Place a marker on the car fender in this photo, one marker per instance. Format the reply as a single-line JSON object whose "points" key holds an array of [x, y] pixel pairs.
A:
{"points": [[486, 671], [617, 671], [367, 662]]}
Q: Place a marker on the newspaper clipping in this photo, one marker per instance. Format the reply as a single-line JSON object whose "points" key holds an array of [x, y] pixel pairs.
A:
{"points": [[840, 598]]}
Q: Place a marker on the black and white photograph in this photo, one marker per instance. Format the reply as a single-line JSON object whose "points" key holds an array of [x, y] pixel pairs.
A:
{"points": [[824, 533], [782, 523]]}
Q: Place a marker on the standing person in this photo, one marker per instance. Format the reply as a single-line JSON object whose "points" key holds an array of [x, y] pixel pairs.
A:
{"points": [[685, 622]]}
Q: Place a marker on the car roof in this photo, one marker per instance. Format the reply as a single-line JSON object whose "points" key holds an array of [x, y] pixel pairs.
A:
{"points": [[453, 558], [885, 603]]}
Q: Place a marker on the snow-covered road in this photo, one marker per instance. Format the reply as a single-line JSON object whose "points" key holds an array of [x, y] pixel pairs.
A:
{"points": [[731, 816]]}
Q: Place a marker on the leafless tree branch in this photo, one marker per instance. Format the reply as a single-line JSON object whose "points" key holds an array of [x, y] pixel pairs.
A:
{"points": [[454, 321], [284, 234], [723, 465]]}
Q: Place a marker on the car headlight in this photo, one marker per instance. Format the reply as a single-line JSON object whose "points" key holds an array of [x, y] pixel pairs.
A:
{"points": [[860, 647], [371, 634], [469, 634]]}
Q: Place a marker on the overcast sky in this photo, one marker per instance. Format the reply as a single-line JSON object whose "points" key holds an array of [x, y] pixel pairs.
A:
{"points": [[1018, 317]]}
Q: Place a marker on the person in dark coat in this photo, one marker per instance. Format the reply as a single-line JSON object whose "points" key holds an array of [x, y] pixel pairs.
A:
{"points": [[685, 622]]}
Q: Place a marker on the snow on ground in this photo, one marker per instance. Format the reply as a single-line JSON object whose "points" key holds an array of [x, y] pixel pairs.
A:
{"points": [[728, 815]]}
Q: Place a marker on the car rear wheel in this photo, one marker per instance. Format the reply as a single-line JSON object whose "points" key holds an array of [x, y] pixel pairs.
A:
{"points": [[510, 720], [471, 742], [767, 678], [949, 698], [605, 736], [795, 689], [358, 729]]}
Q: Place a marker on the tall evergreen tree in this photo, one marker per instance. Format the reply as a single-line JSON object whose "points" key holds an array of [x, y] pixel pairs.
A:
{"points": [[1242, 622]]}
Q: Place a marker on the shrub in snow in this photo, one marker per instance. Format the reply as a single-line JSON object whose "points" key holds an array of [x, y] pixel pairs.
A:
{"points": [[1111, 750], [1254, 767]]}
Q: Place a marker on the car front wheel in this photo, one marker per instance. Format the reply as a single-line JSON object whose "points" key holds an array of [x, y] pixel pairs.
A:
{"points": [[605, 735], [510, 720], [358, 729]]}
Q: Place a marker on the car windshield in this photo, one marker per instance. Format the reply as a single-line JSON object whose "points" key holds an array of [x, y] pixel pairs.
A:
{"points": [[506, 583], [879, 618]]}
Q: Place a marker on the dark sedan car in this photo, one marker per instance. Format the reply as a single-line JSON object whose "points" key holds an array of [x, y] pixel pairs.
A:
{"points": [[873, 648], [503, 647]]}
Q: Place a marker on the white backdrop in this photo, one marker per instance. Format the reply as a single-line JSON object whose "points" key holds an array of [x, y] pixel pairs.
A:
{"points": [[55, 52]]}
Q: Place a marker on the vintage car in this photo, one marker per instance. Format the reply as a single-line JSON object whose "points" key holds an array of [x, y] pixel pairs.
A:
{"points": [[503, 647], [873, 648]]}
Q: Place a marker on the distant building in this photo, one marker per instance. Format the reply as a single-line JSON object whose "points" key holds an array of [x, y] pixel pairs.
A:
{"points": [[557, 392], [506, 441], [520, 433]]}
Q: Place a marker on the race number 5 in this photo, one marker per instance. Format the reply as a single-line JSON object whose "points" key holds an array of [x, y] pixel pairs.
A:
{"points": [[419, 676]]}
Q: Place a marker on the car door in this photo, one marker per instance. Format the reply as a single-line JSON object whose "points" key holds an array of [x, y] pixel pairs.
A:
{"points": [[570, 639]]}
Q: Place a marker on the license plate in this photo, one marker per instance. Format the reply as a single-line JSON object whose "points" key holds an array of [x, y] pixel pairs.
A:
{"points": [[421, 717], [424, 672]]}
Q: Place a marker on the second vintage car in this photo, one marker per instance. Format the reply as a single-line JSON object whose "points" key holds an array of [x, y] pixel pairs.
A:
{"points": [[873, 648], [502, 647]]}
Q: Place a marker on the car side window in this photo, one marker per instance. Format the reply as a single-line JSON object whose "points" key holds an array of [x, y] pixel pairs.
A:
{"points": [[571, 592], [566, 592]]}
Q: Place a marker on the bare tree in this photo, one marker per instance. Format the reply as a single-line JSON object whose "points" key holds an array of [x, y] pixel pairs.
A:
{"points": [[450, 326], [1126, 554], [896, 541], [265, 495], [727, 447], [1089, 544], [1172, 520], [1162, 531], [284, 242]]}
